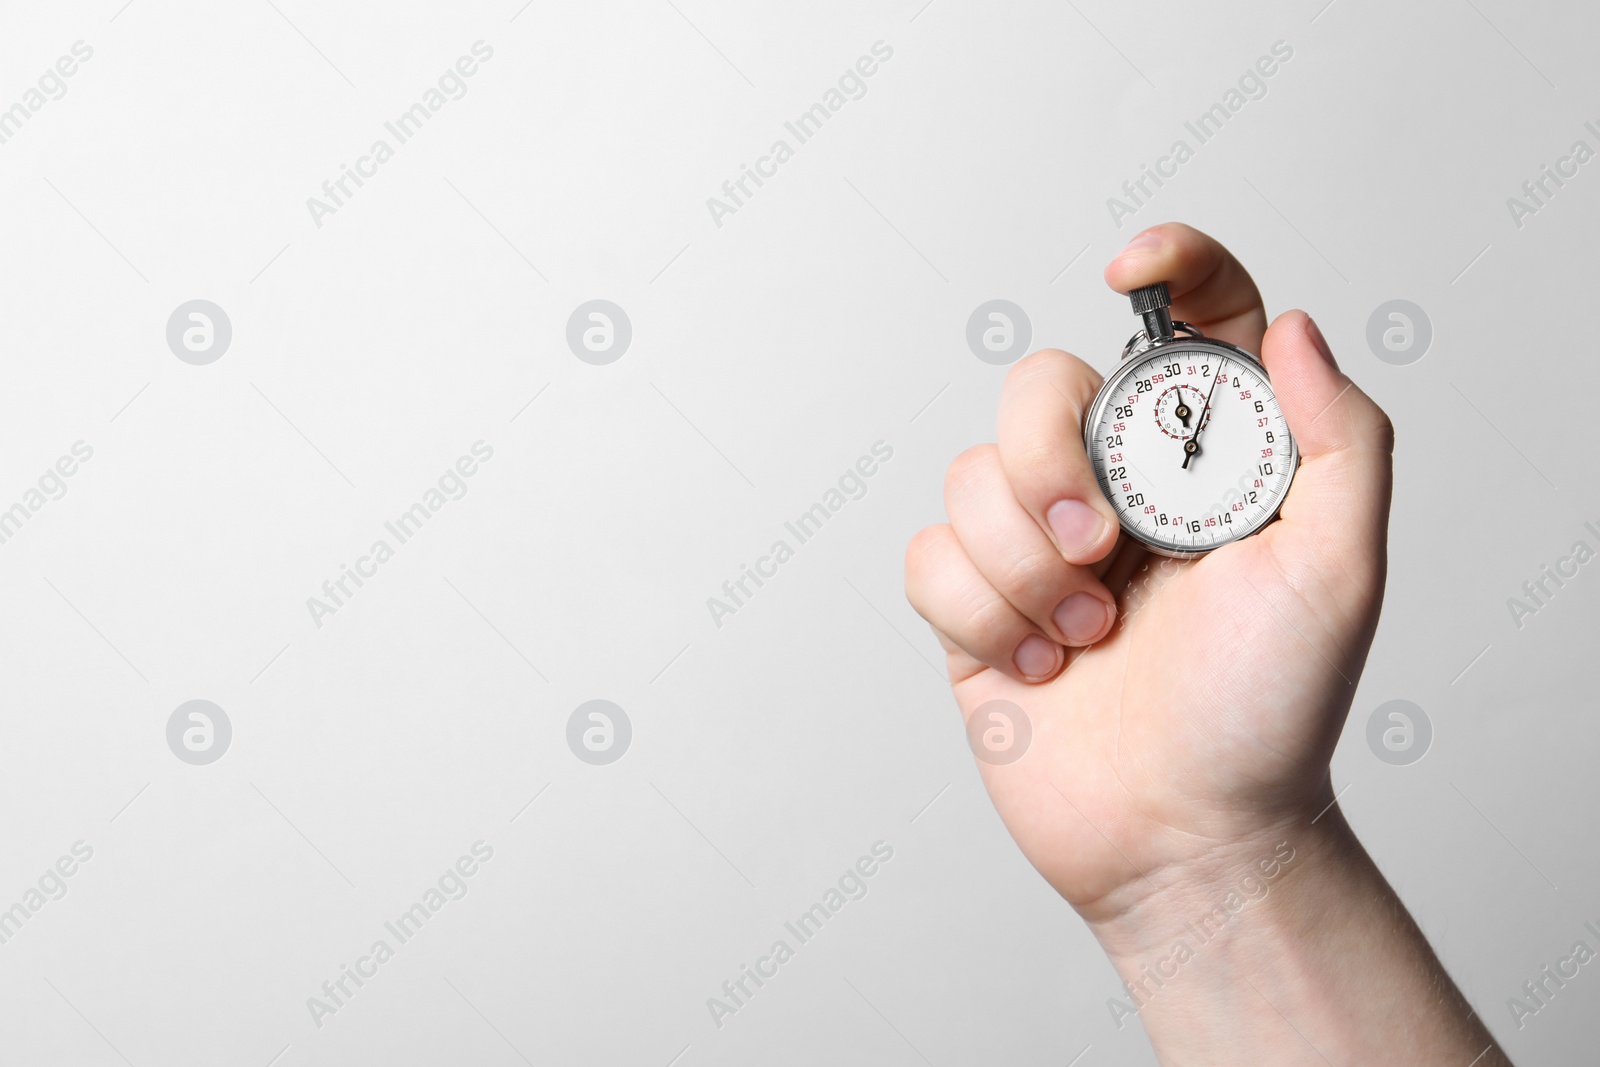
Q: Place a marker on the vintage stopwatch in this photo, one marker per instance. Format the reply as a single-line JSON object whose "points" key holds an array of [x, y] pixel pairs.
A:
{"points": [[1186, 437]]}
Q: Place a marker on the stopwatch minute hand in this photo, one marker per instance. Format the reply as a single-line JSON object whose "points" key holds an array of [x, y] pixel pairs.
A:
{"points": [[1191, 447]]}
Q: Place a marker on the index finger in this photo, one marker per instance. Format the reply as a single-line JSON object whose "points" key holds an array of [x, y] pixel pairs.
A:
{"points": [[1209, 287], [1041, 447]]}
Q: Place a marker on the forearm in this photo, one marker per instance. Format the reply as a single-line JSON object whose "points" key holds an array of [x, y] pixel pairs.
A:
{"points": [[1311, 960]]}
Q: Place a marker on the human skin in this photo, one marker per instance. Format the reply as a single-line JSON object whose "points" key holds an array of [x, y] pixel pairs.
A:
{"points": [[1184, 713]]}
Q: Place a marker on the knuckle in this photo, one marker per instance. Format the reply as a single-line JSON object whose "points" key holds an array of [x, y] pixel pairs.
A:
{"points": [[991, 628], [1044, 361], [922, 546], [1369, 424], [1029, 577], [922, 552], [1383, 430], [1045, 462], [970, 470], [1048, 365], [1042, 449]]}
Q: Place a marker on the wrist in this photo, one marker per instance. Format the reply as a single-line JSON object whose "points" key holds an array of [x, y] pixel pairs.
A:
{"points": [[1269, 949], [1261, 881]]}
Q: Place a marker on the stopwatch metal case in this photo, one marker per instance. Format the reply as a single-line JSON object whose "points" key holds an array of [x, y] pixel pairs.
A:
{"points": [[1140, 344]]}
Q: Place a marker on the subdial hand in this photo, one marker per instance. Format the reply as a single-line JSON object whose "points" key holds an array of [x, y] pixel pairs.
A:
{"points": [[1182, 410]]}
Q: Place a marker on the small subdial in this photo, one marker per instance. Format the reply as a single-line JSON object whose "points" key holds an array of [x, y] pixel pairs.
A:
{"points": [[1178, 411]]}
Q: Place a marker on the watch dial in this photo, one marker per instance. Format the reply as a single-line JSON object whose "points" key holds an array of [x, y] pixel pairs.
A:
{"points": [[1190, 447]]}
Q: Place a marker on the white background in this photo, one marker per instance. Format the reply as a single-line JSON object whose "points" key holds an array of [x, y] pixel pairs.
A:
{"points": [[768, 354]]}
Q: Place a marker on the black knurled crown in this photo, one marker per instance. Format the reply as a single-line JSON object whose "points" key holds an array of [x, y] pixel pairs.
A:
{"points": [[1150, 298]]}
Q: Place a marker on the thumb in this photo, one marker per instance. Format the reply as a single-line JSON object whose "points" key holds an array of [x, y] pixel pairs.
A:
{"points": [[1335, 521]]}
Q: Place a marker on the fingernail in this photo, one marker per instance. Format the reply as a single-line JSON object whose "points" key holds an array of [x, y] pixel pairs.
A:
{"points": [[1036, 657], [1077, 526], [1081, 617], [1320, 342], [1142, 243]]}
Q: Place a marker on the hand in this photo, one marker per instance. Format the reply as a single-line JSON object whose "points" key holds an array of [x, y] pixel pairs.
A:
{"points": [[1183, 713]]}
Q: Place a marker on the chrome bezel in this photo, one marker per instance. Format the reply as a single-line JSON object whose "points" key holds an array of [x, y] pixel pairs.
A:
{"points": [[1192, 338]]}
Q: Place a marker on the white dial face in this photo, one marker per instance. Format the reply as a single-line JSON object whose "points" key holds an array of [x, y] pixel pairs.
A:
{"points": [[1190, 447]]}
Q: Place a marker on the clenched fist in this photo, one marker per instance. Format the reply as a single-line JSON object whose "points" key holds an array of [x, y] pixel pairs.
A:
{"points": [[1175, 786]]}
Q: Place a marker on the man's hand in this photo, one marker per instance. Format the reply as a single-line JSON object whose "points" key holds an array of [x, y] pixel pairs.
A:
{"points": [[1183, 714], [1176, 707]]}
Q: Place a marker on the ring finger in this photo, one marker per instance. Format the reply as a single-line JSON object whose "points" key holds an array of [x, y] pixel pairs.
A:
{"points": [[946, 588], [1013, 554]]}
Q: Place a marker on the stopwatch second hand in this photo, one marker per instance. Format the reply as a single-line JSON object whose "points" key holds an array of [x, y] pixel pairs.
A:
{"points": [[1192, 445]]}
